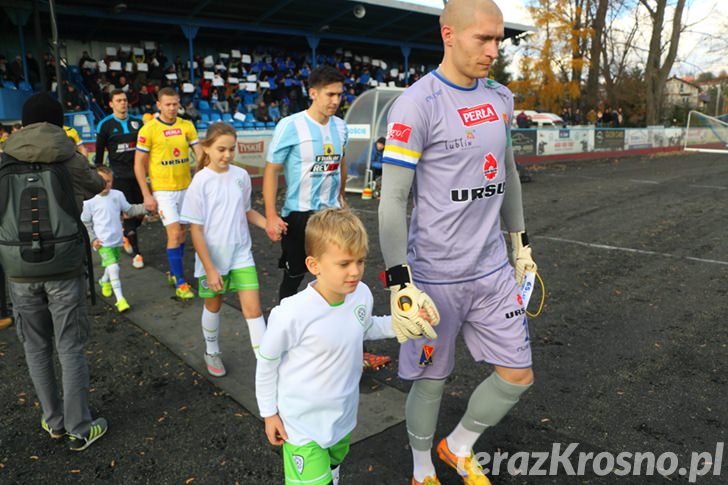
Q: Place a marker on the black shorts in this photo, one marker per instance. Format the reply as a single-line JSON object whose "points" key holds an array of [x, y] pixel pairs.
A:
{"points": [[293, 243], [130, 189]]}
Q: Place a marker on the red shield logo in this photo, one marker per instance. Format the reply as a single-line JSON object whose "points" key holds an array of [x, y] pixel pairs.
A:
{"points": [[490, 167], [519, 299], [176, 152]]}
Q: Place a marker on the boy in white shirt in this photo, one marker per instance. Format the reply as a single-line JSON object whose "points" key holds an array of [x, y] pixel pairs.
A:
{"points": [[102, 218], [309, 361]]}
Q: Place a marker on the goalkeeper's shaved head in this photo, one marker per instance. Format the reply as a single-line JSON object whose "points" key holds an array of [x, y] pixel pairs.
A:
{"points": [[459, 14]]}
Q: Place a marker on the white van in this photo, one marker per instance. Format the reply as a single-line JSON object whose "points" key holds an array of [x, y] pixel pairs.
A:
{"points": [[543, 119]]}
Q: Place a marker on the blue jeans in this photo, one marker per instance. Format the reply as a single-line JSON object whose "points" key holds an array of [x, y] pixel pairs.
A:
{"points": [[48, 311]]}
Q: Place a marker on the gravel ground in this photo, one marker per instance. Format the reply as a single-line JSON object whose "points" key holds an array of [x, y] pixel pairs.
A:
{"points": [[629, 353]]}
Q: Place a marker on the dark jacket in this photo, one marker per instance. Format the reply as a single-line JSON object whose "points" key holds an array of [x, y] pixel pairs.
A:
{"points": [[47, 143]]}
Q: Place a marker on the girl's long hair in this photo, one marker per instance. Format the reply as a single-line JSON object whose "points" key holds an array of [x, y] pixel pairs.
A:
{"points": [[214, 131]]}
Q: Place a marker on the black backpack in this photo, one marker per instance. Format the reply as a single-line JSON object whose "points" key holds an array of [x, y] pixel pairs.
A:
{"points": [[41, 233]]}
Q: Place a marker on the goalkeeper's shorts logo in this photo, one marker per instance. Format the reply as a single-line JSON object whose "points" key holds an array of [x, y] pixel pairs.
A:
{"points": [[426, 356]]}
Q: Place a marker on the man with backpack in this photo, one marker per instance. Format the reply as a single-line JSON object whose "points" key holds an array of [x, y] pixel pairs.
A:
{"points": [[44, 254]]}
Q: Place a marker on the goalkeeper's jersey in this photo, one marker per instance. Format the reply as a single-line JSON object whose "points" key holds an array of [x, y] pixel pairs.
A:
{"points": [[119, 137], [168, 145], [455, 139], [311, 155]]}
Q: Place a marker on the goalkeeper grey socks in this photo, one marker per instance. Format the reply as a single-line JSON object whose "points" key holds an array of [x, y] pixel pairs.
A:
{"points": [[421, 410], [490, 401]]}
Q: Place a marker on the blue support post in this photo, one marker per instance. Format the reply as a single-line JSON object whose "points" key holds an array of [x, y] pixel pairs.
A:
{"points": [[19, 17], [190, 32], [313, 42], [406, 53]]}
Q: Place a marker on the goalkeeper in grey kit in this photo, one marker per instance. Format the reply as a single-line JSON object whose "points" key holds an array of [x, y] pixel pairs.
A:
{"points": [[454, 261]]}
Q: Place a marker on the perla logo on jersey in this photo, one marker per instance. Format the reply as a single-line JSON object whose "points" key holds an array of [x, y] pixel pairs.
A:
{"points": [[172, 132], [484, 113]]}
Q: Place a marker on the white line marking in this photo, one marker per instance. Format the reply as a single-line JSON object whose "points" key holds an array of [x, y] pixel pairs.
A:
{"points": [[639, 181], [631, 250], [718, 187]]}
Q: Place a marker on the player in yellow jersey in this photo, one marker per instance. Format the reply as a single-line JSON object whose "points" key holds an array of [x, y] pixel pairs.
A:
{"points": [[73, 135], [163, 145]]}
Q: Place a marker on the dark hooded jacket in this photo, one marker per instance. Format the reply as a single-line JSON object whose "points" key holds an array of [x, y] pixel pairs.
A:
{"points": [[48, 143]]}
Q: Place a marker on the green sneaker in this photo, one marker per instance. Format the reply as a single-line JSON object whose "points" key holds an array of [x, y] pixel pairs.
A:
{"points": [[106, 289], [98, 428], [122, 305], [54, 433], [184, 292], [171, 279]]}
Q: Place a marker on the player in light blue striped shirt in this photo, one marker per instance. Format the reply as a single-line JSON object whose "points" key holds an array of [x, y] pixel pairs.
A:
{"points": [[308, 147]]}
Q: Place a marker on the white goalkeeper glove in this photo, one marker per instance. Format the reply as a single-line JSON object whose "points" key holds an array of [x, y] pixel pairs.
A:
{"points": [[406, 301], [521, 251]]}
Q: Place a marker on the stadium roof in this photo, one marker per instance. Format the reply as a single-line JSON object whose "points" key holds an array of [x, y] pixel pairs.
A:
{"points": [[385, 23]]}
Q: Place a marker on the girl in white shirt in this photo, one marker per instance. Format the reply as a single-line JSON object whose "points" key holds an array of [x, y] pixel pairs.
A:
{"points": [[217, 207]]}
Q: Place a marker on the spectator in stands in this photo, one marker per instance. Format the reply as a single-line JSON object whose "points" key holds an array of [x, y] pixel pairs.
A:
{"points": [[576, 117], [16, 70], [16, 128], [261, 114], [616, 119], [147, 100], [274, 112], [33, 70], [591, 117], [50, 67], [377, 155], [522, 120], [132, 96], [3, 136], [218, 102], [285, 108], [607, 117], [3, 69], [85, 57], [72, 99], [191, 113]]}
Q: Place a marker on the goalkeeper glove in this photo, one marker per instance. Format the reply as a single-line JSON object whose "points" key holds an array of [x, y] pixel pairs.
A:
{"points": [[521, 251], [406, 301]]}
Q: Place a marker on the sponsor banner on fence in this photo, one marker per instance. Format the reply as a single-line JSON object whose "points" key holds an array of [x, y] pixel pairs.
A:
{"points": [[251, 150], [359, 132], [608, 139], [639, 138], [564, 140], [524, 142]]}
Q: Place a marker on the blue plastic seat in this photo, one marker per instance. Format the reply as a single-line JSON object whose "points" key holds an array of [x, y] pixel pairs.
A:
{"points": [[270, 124], [25, 86], [202, 125], [204, 104], [204, 117], [248, 125], [239, 125], [215, 116], [260, 125], [227, 117], [9, 85]]}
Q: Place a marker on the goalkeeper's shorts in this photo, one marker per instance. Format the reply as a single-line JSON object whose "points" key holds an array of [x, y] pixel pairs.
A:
{"points": [[490, 313]]}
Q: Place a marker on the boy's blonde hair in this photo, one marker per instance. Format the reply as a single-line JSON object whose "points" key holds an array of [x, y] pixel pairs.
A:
{"points": [[336, 226], [104, 169]]}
